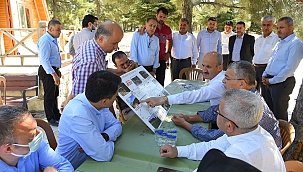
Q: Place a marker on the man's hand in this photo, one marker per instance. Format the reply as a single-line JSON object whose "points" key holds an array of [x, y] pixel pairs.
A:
{"points": [[132, 65], [179, 120], [117, 71], [265, 81], [56, 78], [168, 151], [59, 73], [66, 101], [141, 31], [167, 56], [50, 169], [154, 101]]}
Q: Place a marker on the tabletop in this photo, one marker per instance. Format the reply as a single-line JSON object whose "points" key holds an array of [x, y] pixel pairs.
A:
{"points": [[136, 148]]}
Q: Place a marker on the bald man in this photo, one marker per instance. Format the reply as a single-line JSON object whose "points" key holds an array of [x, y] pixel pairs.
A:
{"points": [[90, 57]]}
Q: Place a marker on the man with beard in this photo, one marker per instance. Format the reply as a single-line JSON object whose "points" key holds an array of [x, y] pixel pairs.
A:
{"points": [[208, 40], [279, 73], [241, 46], [212, 70], [184, 50], [88, 25]]}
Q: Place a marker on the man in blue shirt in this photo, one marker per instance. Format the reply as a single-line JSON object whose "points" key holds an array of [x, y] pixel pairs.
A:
{"points": [[22, 147], [279, 73], [49, 73], [145, 48], [242, 75], [87, 128]]}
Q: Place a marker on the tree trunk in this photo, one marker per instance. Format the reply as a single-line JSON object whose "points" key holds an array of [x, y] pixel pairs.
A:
{"points": [[295, 150], [98, 6], [187, 12]]}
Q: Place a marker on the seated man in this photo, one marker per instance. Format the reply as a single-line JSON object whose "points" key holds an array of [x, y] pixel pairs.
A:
{"points": [[212, 70], [145, 48], [242, 75], [121, 61], [87, 127], [238, 116], [22, 146]]}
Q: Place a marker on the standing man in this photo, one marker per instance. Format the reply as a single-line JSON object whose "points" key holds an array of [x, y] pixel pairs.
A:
{"points": [[23, 148], [88, 124], [228, 32], [184, 51], [91, 57], [279, 73], [88, 25], [209, 40], [164, 33], [144, 48], [263, 48], [241, 46], [49, 73]]}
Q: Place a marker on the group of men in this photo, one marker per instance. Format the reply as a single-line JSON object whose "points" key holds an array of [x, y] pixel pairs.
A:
{"points": [[248, 129]]}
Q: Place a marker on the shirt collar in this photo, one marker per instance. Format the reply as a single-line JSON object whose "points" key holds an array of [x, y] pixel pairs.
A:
{"points": [[49, 36], [86, 30], [234, 139], [290, 37], [270, 35], [218, 76], [82, 98], [184, 34], [98, 47], [241, 36]]}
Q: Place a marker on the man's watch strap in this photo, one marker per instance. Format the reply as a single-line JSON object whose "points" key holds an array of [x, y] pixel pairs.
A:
{"points": [[166, 100]]}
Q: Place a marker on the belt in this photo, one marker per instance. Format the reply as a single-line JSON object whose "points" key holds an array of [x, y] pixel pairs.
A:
{"points": [[260, 65], [54, 67], [180, 60], [148, 68], [269, 76]]}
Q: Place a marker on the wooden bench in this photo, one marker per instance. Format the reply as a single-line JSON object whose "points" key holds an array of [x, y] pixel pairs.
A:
{"points": [[21, 89]]}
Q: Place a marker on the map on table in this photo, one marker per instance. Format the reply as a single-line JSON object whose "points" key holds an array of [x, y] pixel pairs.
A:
{"points": [[138, 85]]}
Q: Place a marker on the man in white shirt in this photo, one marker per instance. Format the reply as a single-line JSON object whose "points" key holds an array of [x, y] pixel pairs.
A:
{"points": [[208, 40], [184, 50], [88, 25], [212, 71], [238, 116], [263, 48], [228, 32]]}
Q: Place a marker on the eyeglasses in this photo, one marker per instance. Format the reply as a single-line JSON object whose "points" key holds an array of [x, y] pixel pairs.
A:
{"points": [[217, 112], [228, 79]]}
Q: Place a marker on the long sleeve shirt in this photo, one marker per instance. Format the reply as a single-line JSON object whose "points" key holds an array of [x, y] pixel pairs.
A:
{"points": [[285, 59], [89, 58], [184, 46], [81, 37], [268, 122], [225, 41], [145, 50], [207, 42], [81, 124], [48, 53], [212, 92], [263, 48], [256, 148], [43, 157]]}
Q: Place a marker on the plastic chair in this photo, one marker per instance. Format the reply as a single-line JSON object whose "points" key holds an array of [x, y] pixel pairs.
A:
{"points": [[287, 134], [3, 80], [191, 73], [49, 133], [293, 166]]}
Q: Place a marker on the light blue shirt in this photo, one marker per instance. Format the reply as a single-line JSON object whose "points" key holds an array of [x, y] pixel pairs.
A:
{"points": [[145, 50], [237, 48], [207, 42], [285, 59], [81, 125], [44, 156], [48, 53]]}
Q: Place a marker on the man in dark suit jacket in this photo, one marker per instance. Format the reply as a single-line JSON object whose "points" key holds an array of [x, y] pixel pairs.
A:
{"points": [[241, 46]]}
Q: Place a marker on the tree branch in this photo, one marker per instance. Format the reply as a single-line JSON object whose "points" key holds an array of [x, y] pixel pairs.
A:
{"points": [[218, 4]]}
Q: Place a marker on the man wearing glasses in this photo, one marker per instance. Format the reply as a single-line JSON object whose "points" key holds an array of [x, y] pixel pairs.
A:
{"points": [[240, 112], [145, 48], [22, 146], [242, 75], [209, 40]]}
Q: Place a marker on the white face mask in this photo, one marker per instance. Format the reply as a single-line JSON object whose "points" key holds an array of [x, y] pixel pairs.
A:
{"points": [[33, 145]]}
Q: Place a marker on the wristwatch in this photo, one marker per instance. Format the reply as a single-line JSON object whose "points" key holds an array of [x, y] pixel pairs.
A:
{"points": [[165, 100]]}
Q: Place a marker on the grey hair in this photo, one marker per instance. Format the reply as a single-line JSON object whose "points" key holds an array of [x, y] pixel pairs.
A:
{"points": [[184, 20], [269, 18], [244, 70], [219, 57], [242, 107], [9, 117], [104, 31], [288, 20]]}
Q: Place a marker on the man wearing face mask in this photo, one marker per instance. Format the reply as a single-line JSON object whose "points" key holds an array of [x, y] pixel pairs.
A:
{"points": [[22, 147], [88, 25]]}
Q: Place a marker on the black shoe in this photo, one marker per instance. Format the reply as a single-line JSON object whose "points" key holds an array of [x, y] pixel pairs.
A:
{"points": [[53, 122]]}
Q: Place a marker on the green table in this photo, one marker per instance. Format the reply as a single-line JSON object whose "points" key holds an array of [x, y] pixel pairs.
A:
{"points": [[136, 149]]}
